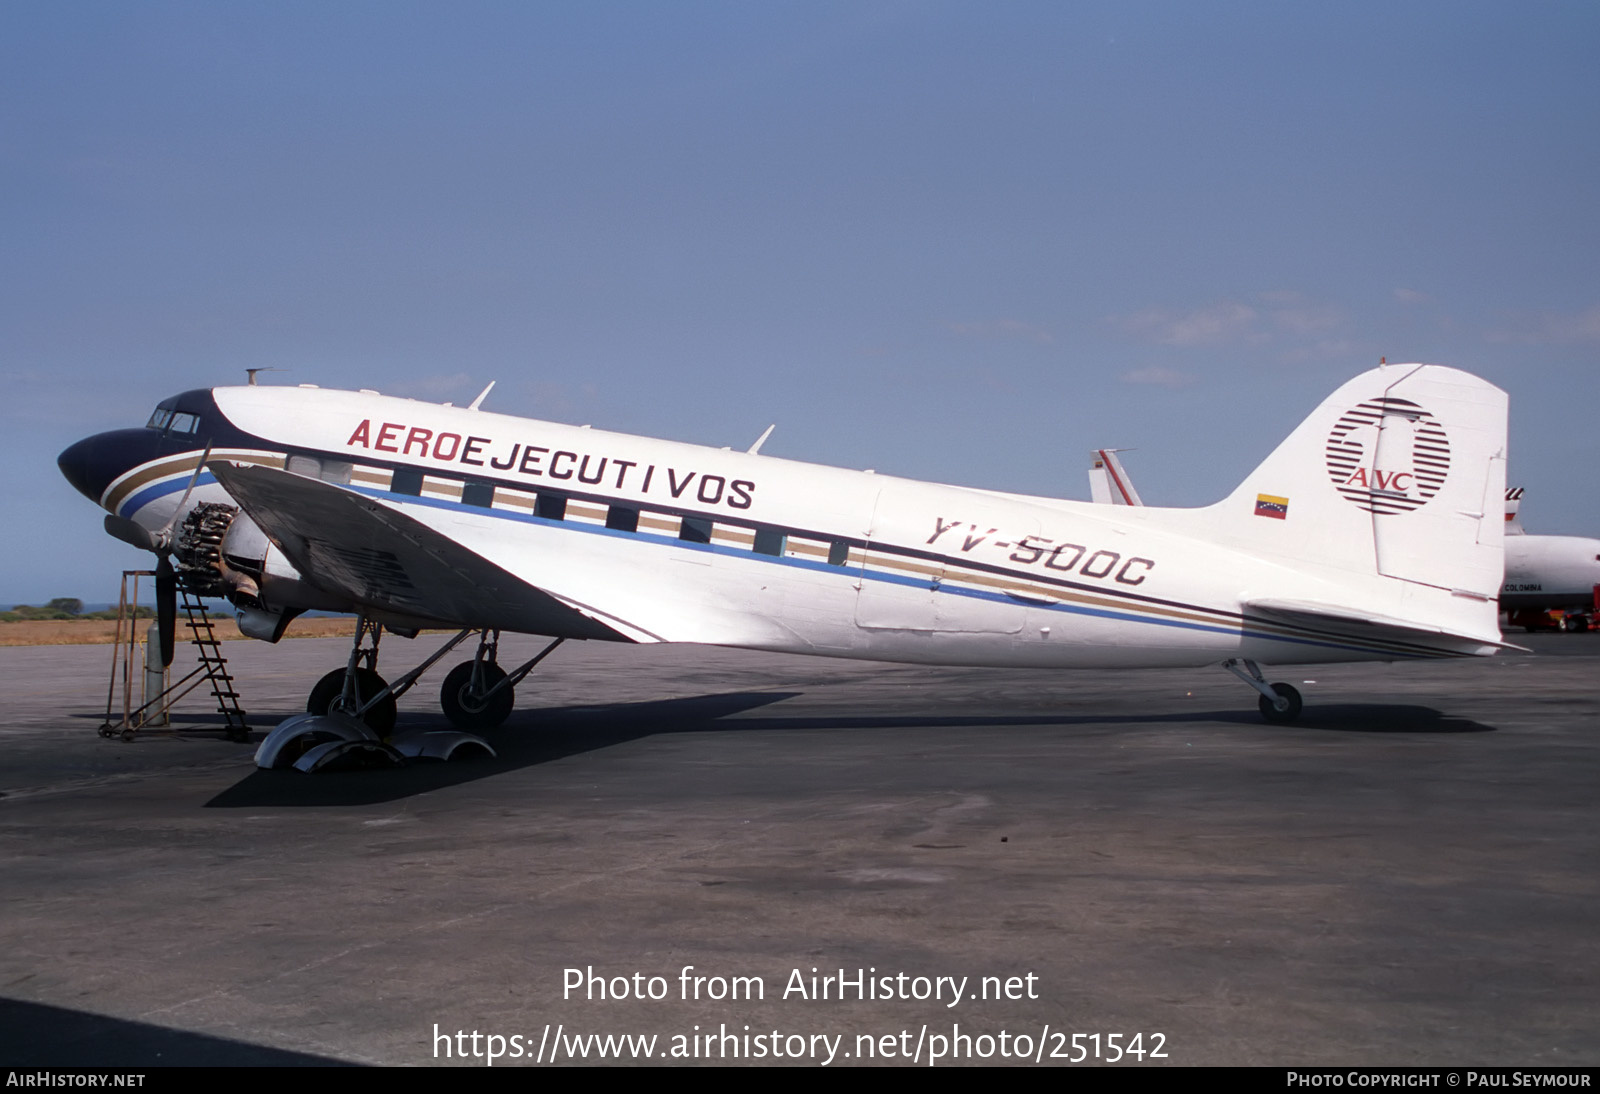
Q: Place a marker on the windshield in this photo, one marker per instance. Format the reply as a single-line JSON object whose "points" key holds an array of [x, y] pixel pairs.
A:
{"points": [[174, 423]]}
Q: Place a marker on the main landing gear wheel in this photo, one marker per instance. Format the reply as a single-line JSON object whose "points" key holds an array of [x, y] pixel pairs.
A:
{"points": [[380, 719], [470, 711], [1270, 711]]}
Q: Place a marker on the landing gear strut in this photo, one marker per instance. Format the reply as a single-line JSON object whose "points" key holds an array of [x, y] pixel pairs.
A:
{"points": [[479, 694], [368, 685], [358, 690], [1280, 703], [351, 712]]}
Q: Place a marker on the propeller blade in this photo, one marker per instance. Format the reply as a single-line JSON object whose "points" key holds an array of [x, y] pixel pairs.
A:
{"points": [[132, 533], [165, 535], [166, 608]]}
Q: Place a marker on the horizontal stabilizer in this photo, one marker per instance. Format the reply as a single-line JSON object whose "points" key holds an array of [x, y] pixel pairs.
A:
{"points": [[1311, 614]]}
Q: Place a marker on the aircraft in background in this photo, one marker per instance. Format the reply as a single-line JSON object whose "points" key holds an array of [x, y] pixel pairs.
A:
{"points": [[1551, 581], [1108, 482], [1373, 533]]}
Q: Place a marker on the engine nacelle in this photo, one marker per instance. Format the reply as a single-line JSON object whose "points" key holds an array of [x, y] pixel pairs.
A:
{"points": [[245, 566]]}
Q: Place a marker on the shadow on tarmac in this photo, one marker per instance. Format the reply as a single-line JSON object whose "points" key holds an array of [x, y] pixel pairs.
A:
{"points": [[535, 737], [530, 737], [36, 1035]]}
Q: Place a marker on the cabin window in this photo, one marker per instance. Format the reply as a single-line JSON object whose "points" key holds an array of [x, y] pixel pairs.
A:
{"points": [[407, 480], [838, 553], [550, 507], [695, 530], [336, 471], [622, 518], [480, 494], [769, 541]]}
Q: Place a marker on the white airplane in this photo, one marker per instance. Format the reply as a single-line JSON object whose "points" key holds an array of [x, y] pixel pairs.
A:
{"points": [[1374, 532], [1548, 573]]}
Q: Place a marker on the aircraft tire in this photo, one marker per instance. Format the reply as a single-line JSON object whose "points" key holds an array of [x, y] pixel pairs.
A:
{"points": [[468, 713], [380, 719], [1271, 713]]}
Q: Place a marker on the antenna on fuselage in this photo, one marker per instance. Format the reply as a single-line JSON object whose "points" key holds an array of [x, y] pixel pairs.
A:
{"points": [[761, 440], [482, 395], [251, 373]]}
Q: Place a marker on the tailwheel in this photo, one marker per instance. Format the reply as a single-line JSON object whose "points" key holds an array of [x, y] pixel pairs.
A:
{"points": [[380, 718], [1279, 703], [473, 704], [1290, 708]]}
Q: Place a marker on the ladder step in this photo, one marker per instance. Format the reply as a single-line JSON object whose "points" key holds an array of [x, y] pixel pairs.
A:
{"points": [[203, 637]]}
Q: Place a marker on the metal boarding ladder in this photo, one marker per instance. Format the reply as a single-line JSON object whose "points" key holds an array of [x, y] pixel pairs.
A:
{"points": [[215, 666], [151, 715]]}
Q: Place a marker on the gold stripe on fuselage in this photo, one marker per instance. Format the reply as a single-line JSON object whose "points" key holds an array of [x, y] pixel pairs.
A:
{"points": [[122, 489]]}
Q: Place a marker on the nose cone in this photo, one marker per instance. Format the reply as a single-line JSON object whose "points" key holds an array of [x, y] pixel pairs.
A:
{"points": [[94, 463]]}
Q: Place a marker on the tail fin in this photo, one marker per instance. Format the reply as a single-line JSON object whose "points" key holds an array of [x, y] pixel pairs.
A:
{"points": [[1513, 508], [1108, 482], [1400, 474]]}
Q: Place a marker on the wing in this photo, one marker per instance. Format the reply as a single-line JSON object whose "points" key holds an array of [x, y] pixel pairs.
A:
{"points": [[382, 559]]}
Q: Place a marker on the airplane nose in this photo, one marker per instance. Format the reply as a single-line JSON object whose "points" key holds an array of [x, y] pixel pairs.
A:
{"points": [[94, 463]]}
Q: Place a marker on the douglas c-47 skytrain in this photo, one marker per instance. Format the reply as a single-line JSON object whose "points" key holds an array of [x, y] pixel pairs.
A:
{"points": [[1374, 532]]}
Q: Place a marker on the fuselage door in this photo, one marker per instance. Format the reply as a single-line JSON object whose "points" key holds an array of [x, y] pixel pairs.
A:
{"points": [[929, 570]]}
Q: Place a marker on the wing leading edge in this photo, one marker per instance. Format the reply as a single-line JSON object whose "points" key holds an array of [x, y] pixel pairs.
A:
{"points": [[379, 558]]}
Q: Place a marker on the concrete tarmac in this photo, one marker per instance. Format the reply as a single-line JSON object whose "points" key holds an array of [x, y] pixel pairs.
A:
{"points": [[1406, 876]]}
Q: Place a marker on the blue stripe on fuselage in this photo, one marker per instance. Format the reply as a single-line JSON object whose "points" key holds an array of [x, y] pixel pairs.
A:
{"points": [[136, 502], [894, 579]]}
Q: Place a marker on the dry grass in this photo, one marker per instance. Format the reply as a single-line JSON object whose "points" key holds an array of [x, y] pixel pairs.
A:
{"points": [[84, 632]]}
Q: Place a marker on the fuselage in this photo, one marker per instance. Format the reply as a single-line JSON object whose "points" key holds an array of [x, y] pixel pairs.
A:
{"points": [[1549, 572], [679, 542]]}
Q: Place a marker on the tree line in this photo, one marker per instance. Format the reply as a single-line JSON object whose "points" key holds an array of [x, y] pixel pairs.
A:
{"points": [[63, 607]]}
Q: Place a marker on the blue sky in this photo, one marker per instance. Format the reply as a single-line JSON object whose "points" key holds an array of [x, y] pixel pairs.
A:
{"points": [[951, 241]]}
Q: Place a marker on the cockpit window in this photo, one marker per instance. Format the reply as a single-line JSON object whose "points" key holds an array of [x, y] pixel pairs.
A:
{"points": [[174, 423]]}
